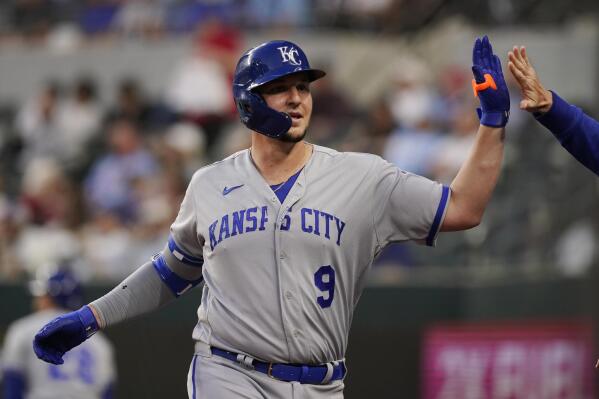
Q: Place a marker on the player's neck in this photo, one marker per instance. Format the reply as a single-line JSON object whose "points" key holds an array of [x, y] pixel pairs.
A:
{"points": [[277, 160]]}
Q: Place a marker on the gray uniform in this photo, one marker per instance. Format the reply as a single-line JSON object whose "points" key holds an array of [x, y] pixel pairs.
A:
{"points": [[86, 373], [282, 280]]}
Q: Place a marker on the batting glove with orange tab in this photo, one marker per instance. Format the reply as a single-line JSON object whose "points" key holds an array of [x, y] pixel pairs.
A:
{"points": [[489, 85]]}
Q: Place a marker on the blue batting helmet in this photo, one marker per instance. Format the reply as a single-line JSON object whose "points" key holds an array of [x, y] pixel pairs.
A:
{"points": [[60, 284], [258, 66]]}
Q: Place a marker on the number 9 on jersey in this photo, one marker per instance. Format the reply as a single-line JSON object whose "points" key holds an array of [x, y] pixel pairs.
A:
{"points": [[324, 279]]}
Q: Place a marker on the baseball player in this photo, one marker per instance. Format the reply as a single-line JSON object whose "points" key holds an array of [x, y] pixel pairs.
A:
{"points": [[576, 131], [88, 370], [283, 235]]}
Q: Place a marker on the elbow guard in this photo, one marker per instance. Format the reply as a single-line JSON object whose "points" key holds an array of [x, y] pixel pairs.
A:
{"points": [[176, 284]]}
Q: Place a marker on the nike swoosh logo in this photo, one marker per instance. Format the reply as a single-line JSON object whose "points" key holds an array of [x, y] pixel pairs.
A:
{"points": [[227, 190]]}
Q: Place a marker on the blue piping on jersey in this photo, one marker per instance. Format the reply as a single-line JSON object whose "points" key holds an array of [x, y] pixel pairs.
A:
{"points": [[181, 255], [440, 210], [193, 377]]}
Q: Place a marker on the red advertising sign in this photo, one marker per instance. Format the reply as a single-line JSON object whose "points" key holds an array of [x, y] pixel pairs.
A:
{"points": [[509, 361]]}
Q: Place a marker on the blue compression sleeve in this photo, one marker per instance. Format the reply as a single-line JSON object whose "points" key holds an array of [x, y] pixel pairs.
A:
{"points": [[14, 384], [577, 132]]}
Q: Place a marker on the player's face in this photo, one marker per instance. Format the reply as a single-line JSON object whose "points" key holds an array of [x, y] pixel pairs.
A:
{"points": [[291, 94]]}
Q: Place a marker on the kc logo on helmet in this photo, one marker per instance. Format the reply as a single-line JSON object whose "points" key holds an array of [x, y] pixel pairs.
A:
{"points": [[289, 55]]}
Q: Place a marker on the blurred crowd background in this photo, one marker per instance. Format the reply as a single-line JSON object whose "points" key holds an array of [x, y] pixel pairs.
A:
{"points": [[108, 107]]}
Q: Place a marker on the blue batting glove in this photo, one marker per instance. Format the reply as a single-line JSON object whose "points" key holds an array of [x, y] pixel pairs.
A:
{"points": [[489, 85], [63, 334]]}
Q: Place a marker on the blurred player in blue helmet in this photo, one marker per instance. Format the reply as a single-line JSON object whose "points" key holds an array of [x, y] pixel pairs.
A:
{"points": [[577, 132], [88, 372]]}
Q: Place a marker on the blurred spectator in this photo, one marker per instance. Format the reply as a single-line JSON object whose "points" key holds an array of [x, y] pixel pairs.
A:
{"points": [[159, 199], [79, 122], [50, 212], [37, 123], [370, 133], [414, 150], [411, 99], [11, 146], [576, 249], [220, 42], [141, 18], [200, 86], [37, 245], [60, 130], [354, 14], [32, 18], [65, 38], [235, 137], [380, 125], [366, 13], [413, 145], [10, 219], [454, 87], [454, 148], [277, 13], [186, 16], [97, 16], [132, 104], [183, 150], [107, 247], [332, 118], [47, 195], [110, 185]]}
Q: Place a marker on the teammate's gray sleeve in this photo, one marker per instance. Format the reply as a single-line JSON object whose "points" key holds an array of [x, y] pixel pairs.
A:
{"points": [[406, 206], [106, 364], [14, 353]]}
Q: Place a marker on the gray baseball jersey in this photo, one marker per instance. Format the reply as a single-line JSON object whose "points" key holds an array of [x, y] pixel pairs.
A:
{"points": [[282, 280], [87, 370]]}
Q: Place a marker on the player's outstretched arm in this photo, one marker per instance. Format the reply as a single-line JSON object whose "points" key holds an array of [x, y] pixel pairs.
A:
{"points": [[148, 288], [473, 185], [141, 292], [576, 131], [168, 275]]}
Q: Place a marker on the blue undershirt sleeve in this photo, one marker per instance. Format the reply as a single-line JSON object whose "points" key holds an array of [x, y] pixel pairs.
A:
{"points": [[577, 132]]}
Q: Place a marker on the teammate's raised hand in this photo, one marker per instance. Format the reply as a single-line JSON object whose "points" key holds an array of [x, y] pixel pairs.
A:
{"points": [[535, 98], [63, 334], [489, 85]]}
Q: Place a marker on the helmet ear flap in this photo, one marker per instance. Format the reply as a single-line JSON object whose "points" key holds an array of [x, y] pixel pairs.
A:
{"points": [[258, 116]]}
